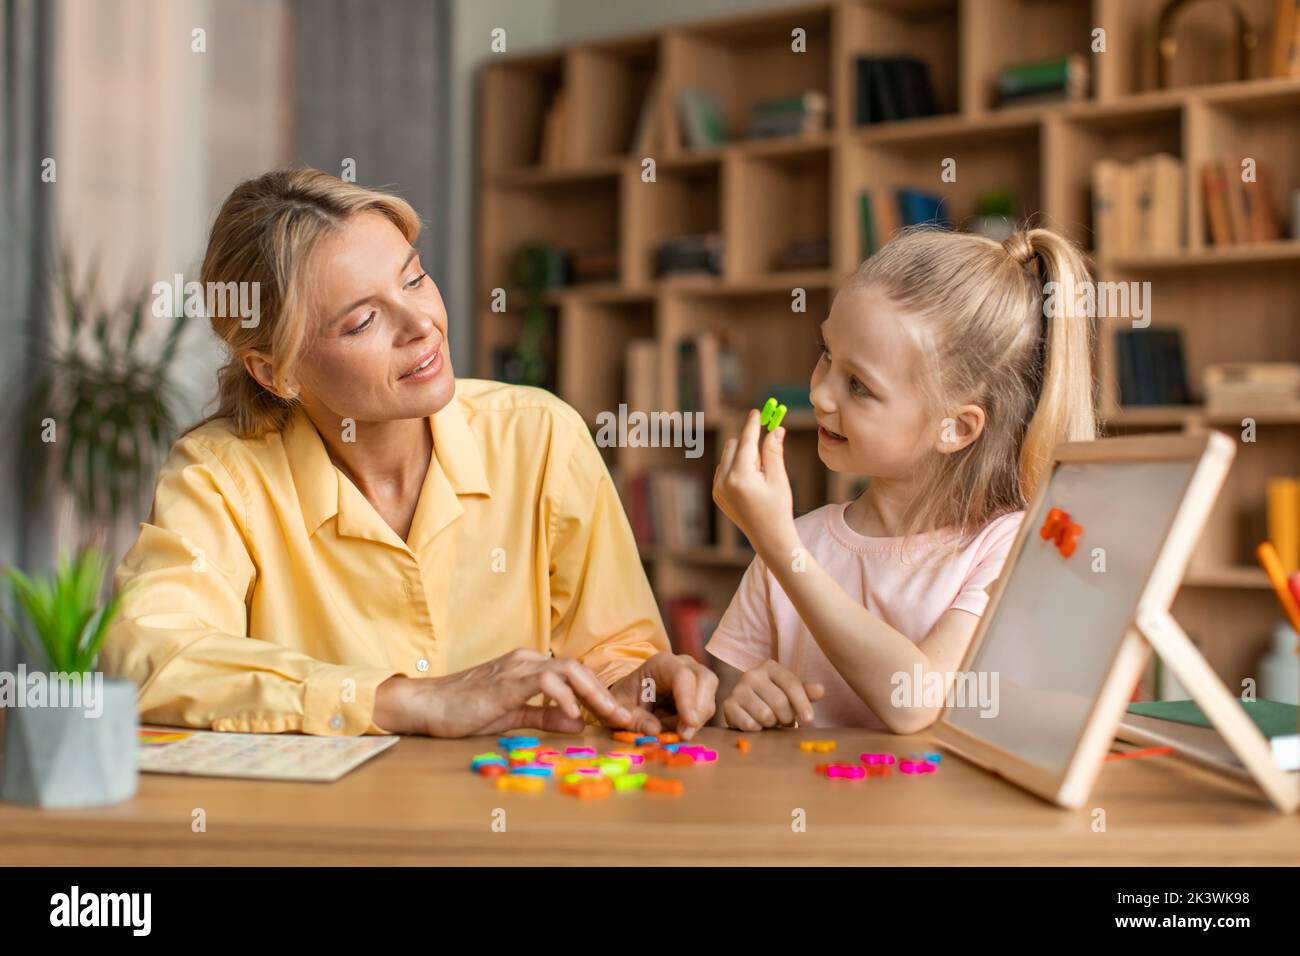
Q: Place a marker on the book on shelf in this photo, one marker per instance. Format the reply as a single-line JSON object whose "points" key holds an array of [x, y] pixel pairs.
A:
{"points": [[641, 375], [789, 116], [555, 132], [893, 88], [1052, 80], [1283, 508], [691, 622], [710, 375], [1237, 210], [700, 252], [1152, 370], [882, 212], [596, 265], [1286, 39], [804, 254], [1139, 207], [645, 136], [704, 125]]}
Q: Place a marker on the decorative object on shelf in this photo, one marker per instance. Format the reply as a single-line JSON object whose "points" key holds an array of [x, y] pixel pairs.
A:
{"points": [[703, 123], [1166, 48], [1054, 80], [995, 214], [77, 746], [1151, 367], [1279, 669], [1282, 513], [893, 88], [555, 131], [1252, 387], [789, 116]]}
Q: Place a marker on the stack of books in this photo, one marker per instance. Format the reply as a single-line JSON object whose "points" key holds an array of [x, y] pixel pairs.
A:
{"points": [[701, 252], [1139, 207], [1151, 367], [789, 116], [883, 212], [1235, 210], [893, 88], [1044, 81], [668, 508], [710, 374]]}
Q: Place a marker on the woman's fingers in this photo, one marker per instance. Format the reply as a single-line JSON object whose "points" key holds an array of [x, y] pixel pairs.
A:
{"points": [[598, 698], [554, 687], [549, 719]]}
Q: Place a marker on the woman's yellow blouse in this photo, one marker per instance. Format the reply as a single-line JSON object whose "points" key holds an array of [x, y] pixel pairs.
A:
{"points": [[266, 594]]}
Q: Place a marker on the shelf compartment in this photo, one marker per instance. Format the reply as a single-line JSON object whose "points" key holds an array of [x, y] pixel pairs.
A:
{"points": [[684, 199], [1074, 143], [772, 202], [515, 97], [610, 84], [591, 328], [747, 60], [1043, 29]]}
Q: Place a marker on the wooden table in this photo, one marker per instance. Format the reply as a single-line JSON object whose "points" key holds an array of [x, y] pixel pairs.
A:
{"points": [[417, 803]]}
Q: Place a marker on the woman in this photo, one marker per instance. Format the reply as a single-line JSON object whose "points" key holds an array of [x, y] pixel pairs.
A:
{"points": [[356, 542]]}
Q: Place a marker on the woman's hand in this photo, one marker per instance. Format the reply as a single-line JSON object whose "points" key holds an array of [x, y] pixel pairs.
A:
{"points": [[770, 696], [752, 488], [679, 686], [494, 696]]}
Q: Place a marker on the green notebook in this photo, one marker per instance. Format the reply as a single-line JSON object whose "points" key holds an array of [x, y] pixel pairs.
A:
{"points": [[1274, 719]]}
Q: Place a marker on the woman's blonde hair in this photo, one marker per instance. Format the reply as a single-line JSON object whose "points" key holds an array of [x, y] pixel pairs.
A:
{"points": [[976, 308], [266, 232]]}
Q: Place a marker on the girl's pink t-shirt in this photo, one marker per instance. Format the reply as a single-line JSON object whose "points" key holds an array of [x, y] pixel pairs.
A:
{"points": [[903, 588]]}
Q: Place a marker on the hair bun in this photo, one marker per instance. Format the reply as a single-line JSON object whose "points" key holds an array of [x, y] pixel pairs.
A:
{"points": [[1019, 247]]}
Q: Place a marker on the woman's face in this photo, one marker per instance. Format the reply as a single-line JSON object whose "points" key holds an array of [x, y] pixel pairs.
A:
{"points": [[380, 351]]}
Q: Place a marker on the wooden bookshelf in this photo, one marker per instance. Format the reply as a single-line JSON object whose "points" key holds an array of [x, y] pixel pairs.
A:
{"points": [[1239, 302]]}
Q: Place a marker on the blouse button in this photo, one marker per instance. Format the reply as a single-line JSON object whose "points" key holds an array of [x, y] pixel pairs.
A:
{"points": [[421, 665], [336, 721]]}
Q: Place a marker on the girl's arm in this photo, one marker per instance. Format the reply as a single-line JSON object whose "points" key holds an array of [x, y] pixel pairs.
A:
{"points": [[754, 491]]}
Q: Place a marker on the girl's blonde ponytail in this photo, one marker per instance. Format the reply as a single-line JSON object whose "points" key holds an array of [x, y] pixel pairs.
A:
{"points": [[1066, 400]]}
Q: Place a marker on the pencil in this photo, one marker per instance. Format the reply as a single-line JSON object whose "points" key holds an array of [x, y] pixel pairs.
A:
{"points": [[1272, 565]]}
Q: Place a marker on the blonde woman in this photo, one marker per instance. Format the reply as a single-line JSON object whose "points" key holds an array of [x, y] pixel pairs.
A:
{"points": [[358, 542], [943, 378]]}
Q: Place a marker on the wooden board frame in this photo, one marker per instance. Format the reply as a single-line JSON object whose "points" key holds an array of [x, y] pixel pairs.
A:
{"points": [[1151, 627]]}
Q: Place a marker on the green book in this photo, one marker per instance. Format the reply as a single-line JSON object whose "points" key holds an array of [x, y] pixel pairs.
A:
{"points": [[1273, 719], [868, 223]]}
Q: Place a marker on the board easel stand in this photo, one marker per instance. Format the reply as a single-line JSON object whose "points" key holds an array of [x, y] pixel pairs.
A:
{"points": [[1157, 627]]}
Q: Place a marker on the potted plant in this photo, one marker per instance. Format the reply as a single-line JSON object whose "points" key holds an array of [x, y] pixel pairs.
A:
{"points": [[70, 735]]}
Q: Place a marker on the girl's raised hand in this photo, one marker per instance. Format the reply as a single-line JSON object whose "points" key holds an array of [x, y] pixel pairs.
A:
{"points": [[750, 484]]}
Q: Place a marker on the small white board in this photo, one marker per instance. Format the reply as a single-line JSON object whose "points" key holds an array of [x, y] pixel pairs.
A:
{"points": [[1066, 639]]}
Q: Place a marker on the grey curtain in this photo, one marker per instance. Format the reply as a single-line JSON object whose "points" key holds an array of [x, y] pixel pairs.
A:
{"points": [[371, 84], [26, 243]]}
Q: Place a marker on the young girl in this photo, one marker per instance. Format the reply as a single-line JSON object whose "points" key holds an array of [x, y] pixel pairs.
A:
{"points": [[945, 379]]}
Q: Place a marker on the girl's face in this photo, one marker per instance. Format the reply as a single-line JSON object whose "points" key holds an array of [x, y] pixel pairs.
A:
{"points": [[381, 348], [873, 418]]}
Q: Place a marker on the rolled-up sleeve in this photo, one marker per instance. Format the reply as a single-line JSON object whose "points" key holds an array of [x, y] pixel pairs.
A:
{"points": [[602, 609], [182, 635]]}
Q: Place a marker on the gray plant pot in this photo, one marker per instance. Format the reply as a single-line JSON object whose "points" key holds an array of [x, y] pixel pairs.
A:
{"points": [[61, 757]]}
